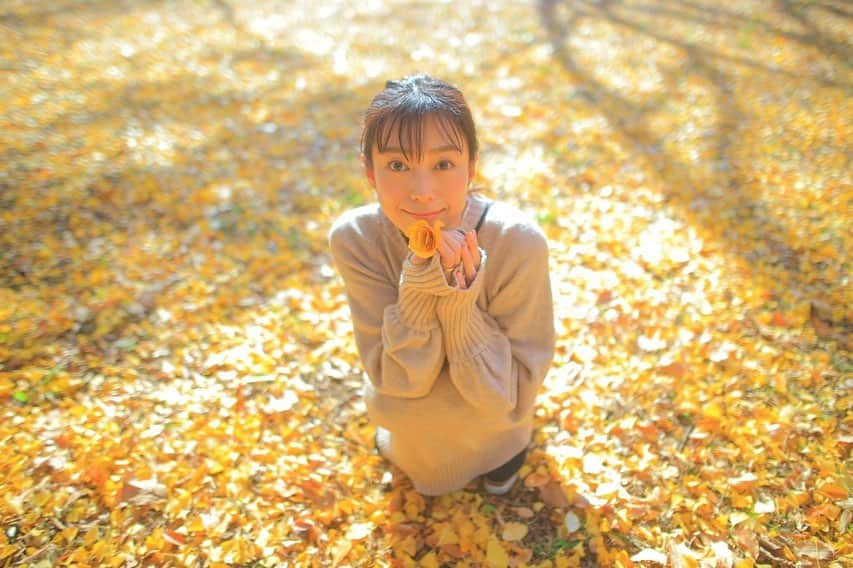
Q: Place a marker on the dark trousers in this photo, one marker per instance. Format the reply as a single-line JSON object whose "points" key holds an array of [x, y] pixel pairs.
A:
{"points": [[508, 469]]}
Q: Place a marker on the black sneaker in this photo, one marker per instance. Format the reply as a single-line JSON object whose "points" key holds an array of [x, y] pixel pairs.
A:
{"points": [[500, 487], [501, 480]]}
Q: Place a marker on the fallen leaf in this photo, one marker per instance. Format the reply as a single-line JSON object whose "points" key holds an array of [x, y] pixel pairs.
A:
{"points": [[764, 507], [571, 522], [514, 531], [650, 555], [746, 540], [552, 494], [815, 550], [536, 479], [340, 551], [496, 556], [523, 512], [743, 482], [359, 531]]}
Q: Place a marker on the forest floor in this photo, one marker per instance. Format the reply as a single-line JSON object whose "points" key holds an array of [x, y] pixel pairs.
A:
{"points": [[178, 378]]}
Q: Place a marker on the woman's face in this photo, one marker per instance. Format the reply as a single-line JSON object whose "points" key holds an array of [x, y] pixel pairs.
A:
{"points": [[432, 188]]}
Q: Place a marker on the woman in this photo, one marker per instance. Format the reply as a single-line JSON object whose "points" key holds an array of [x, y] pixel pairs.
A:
{"points": [[455, 340]]}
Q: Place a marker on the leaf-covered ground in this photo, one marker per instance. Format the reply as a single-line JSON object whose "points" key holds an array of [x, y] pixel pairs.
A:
{"points": [[178, 381]]}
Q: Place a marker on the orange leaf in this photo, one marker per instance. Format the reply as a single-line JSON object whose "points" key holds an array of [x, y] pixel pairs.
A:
{"points": [[826, 510], [743, 482], [676, 370], [833, 491], [173, 537], [536, 479]]}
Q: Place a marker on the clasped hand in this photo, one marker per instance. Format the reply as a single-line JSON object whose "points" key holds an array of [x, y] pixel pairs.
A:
{"points": [[460, 256]]}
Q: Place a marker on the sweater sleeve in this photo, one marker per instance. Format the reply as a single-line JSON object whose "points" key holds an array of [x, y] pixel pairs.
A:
{"points": [[499, 358], [395, 325]]}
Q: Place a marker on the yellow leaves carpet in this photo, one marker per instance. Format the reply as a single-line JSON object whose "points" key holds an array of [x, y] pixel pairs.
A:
{"points": [[178, 382]]}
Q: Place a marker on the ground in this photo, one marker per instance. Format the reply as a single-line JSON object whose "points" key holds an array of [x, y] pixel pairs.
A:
{"points": [[178, 377]]}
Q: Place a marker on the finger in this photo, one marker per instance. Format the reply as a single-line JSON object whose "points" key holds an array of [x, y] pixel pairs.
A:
{"points": [[457, 243], [453, 235], [454, 238], [460, 280], [474, 248], [468, 265], [446, 252]]}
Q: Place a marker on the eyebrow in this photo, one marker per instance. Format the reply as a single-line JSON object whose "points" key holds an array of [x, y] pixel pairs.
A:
{"points": [[436, 150]]}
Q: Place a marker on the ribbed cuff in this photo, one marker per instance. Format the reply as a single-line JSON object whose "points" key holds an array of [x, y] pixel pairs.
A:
{"points": [[463, 325], [427, 278], [417, 309]]}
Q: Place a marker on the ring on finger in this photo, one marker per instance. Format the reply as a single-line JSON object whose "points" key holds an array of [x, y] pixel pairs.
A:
{"points": [[452, 268]]}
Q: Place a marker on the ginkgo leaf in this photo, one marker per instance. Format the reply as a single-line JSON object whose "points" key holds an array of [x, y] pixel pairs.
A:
{"points": [[496, 556], [650, 555], [816, 550], [359, 531], [743, 482], [514, 531], [765, 506]]}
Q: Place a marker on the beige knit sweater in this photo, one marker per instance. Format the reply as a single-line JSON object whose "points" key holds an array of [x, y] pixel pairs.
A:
{"points": [[453, 373]]}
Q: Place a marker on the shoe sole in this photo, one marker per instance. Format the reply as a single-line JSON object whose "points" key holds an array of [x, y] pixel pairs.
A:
{"points": [[501, 488]]}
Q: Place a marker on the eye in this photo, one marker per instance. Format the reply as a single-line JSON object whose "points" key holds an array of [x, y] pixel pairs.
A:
{"points": [[397, 166], [444, 165]]}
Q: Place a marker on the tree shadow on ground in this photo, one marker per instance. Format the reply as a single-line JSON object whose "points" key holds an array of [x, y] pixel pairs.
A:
{"points": [[812, 34], [45, 12], [722, 204], [239, 180]]}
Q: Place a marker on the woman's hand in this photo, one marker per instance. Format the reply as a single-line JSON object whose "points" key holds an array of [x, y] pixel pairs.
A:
{"points": [[460, 257]]}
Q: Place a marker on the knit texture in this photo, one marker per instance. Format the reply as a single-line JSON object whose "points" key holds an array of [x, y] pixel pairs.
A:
{"points": [[453, 374]]}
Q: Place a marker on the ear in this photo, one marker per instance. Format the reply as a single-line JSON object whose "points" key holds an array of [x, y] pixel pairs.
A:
{"points": [[368, 172]]}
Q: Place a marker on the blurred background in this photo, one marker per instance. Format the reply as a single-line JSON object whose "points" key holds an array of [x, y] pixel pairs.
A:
{"points": [[169, 171]]}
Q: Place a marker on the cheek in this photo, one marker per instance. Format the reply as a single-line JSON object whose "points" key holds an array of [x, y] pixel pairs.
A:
{"points": [[456, 186], [388, 185]]}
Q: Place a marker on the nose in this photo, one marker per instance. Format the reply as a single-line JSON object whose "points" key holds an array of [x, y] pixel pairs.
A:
{"points": [[421, 188]]}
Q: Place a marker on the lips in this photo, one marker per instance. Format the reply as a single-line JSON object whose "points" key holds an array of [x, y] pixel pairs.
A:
{"points": [[426, 215]]}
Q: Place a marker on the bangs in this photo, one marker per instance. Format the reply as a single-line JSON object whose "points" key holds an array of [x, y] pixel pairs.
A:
{"points": [[405, 131]]}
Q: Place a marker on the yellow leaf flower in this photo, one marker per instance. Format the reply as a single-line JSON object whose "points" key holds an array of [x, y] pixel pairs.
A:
{"points": [[423, 238]]}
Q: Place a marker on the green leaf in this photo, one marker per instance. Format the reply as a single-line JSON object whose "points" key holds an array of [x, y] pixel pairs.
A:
{"points": [[51, 373], [21, 397], [562, 544]]}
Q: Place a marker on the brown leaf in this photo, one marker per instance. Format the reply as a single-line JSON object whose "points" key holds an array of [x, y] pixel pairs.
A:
{"points": [[815, 550], [746, 540], [523, 512], [553, 495]]}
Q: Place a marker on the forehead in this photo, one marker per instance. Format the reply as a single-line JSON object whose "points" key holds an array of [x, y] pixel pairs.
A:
{"points": [[414, 135]]}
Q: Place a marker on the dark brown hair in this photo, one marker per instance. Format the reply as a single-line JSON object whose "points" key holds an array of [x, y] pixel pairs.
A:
{"points": [[403, 106]]}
